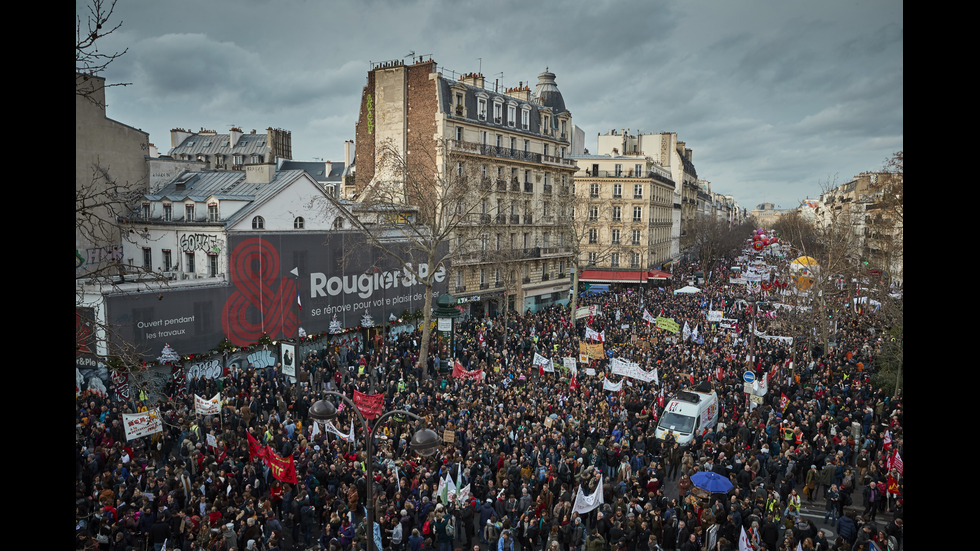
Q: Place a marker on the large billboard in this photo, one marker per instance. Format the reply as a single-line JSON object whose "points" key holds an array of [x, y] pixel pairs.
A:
{"points": [[275, 285]]}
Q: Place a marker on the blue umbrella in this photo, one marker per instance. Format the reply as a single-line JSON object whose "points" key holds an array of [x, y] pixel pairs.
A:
{"points": [[711, 482]]}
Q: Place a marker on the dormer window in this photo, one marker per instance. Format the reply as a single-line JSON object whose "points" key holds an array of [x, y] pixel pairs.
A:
{"points": [[189, 212], [498, 112], [525, 118], [168, 212], [258, 223], [482, 108], [213, 212]]}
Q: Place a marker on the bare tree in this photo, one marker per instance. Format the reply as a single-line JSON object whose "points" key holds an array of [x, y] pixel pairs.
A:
{"points": [[428, 205], [583, 223], [90, 29], [710, 240]]}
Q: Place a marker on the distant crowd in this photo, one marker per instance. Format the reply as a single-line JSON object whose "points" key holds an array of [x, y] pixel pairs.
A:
{"points": [[525, 442]]}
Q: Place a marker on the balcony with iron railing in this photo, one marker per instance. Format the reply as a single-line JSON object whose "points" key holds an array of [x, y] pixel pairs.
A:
{"points": [[528, 187]]}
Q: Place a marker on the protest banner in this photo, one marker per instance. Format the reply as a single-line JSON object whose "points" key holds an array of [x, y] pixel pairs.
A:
{"points": [[460, 373], [207, 406], [142, 424], [370, 405], [668, 324]]}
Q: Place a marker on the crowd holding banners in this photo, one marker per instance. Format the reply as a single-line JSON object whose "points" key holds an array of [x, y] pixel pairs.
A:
{"points": [[170, 489]]}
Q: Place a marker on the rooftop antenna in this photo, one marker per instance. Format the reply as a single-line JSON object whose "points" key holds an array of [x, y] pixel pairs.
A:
{"points": [[411, 55]]}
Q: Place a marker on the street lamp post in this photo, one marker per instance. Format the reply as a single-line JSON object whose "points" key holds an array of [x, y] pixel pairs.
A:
{"points": [[424, 442]]}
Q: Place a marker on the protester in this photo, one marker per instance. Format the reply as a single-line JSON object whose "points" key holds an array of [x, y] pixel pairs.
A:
{"points": [[525, 441]]}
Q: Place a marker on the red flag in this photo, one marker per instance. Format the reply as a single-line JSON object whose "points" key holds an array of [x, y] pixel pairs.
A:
{"points": [[254, 448], [692, 379], [283, 469], [574, 383], [660, 398], [783, 402], [887, 443], [460, 373], [370, 405], [718, 373]]}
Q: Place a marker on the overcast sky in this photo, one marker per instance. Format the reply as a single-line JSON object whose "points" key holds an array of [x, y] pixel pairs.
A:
{"points": [[777, 98]]}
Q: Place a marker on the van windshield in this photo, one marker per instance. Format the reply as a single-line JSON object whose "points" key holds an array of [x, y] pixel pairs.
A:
{"points": [[677, 423]]}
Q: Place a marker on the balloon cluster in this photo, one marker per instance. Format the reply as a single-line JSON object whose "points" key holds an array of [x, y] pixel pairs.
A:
{"points": [[761, 240]]}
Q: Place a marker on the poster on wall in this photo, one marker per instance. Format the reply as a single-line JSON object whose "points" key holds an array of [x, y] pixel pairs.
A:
{"points": [[287, 359], [274, 284]]}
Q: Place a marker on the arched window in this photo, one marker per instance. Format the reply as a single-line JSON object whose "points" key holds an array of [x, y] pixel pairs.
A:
{"points": [[258, 223], [299, 223]]}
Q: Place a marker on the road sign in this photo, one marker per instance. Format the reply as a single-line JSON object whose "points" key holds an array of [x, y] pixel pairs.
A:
{"points": [[748, 376]]}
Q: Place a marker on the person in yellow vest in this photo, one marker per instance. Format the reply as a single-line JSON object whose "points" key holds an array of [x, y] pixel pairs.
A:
{"points": [[792, 506]]}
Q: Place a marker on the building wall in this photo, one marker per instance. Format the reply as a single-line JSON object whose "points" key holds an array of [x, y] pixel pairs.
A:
{"points": [[101, 142]]}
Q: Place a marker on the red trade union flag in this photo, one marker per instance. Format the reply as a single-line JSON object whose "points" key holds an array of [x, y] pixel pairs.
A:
{"points": [[783, 402], [460, 373], [370, 405], [283, 469], [254, 448]]}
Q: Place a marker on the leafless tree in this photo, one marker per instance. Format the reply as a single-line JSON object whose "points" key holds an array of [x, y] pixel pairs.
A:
{"points": [[584, 220], [711, 240], [90, 29], [428, 205]]}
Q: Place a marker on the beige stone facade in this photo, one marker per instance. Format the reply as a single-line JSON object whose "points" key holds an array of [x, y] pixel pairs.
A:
{"points": [[515, 142]]}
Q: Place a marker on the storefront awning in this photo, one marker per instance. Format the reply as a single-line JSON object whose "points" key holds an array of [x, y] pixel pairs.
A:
{"points": [[611, 276]]}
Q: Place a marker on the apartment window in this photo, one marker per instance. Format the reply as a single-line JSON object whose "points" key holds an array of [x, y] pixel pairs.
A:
{"points": [[617, 191], [500, 140], [147, 259], [459, 133], [614, 260], [239, 159], [189, 212], [593, 190], [167, 260], [483, 276], [511, 115], [213, 265], [545, 150], [497, 112], [525, 118], [484, 137], [527, 240], [617, 214], [146, 210], [593, 236], [299, 223], [189, 262], [213, 212], [593, 213], [635, 260], [636, 237], [619, 170], [482, 103], [168, 212], [615, 237], [258, 223], [527, 146], [638, 189], [459, 280], [513, 143], [593, 258], [638, 171], [637, 214]]}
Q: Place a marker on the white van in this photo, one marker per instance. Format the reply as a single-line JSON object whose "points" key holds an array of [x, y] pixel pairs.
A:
{"points": [[689, 413]]}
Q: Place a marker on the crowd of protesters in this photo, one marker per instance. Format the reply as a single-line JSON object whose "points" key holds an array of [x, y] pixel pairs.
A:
{"points": [[524, 443]]}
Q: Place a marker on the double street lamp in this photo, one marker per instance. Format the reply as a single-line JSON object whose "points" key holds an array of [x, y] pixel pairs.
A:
{"points": [[424, 442]]}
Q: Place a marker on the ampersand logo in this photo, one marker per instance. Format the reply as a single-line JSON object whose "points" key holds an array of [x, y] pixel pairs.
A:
{"points": [[259, 291]]}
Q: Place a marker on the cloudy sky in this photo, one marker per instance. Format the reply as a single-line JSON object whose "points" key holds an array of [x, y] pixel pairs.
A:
{"points": [[777, 98]]}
